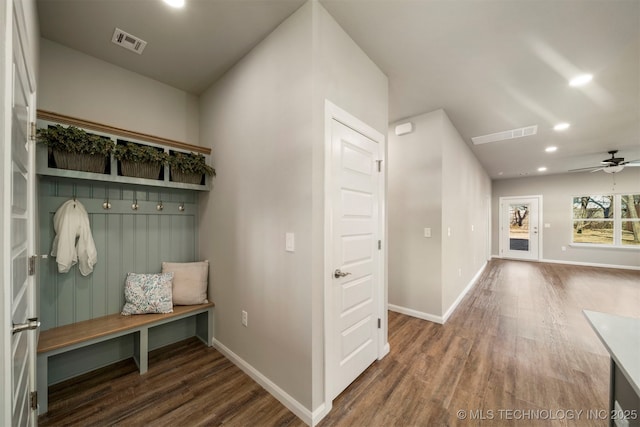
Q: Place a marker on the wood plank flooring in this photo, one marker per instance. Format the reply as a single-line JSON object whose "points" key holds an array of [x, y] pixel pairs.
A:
{"points": [[517, 352]]}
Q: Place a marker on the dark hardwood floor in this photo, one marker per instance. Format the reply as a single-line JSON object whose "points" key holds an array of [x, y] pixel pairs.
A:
{"points": [[517, 352]]}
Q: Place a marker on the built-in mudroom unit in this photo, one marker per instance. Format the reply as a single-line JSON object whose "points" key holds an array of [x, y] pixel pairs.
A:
{"points": [[136, 224]]}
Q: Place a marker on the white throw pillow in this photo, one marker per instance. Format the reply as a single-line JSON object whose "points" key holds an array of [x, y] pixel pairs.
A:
{"points": [[189, 281]]}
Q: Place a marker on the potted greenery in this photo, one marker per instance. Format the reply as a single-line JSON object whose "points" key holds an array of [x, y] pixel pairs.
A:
{"points": [[140, 161], [189, 168], [73, 148]]}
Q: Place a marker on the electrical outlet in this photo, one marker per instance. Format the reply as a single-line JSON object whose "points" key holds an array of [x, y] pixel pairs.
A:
{"points": [[245, 318]]}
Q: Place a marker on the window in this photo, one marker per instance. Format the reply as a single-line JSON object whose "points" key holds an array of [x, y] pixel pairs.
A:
{"points": [[630, 223], [608, 220]]}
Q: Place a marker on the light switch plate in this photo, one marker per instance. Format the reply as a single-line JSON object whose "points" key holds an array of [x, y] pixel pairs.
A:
{"points": [[289, 242], [427, 232]]}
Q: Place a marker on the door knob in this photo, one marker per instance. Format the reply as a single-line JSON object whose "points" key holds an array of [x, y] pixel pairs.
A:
{"points": [[31, 324], [338, 274]]}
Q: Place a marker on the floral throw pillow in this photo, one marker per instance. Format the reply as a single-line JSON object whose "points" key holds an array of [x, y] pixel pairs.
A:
{"points": [[148, 293]]}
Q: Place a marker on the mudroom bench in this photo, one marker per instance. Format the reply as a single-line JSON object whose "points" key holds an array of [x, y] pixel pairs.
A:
{"points": [[74, 336]]}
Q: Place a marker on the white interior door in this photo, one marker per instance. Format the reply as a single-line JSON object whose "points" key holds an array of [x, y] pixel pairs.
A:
{"points": [[18, 223], [356, 279], [520, 228]]}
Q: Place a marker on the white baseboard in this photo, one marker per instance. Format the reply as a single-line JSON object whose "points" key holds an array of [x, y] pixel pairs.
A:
{"points": [[585, 264], [466, 290], [592, 264], [320, 413], [415, 313], [450, 310], [293, 405]]}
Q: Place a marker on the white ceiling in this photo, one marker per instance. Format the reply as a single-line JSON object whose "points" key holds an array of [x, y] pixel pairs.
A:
{"points": [[492, 65]]}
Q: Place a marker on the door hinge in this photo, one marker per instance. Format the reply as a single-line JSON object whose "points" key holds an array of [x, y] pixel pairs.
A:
{"points": [[379, 244], [32, 134], [32, 265], [379, 162], [34, 399], [379, 323]]}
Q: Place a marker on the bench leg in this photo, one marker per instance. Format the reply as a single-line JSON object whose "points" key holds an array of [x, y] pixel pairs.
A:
{"points": [[43, 383], [144, 351], [210, 327]]}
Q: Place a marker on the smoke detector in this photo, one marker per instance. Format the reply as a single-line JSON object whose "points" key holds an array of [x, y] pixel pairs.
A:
{"points": [[128, 41], [507, 134]]}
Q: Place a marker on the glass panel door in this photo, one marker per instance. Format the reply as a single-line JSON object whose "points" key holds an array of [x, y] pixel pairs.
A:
{"points": [[519, 228]]}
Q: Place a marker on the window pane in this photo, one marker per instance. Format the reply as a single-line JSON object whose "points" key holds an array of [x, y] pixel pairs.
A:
{"points": [[593, 232], [630, 205], [631, 233], [519, 227], [593, 207]]}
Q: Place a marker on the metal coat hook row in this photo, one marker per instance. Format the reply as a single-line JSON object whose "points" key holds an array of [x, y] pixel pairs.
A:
{"points": [[181, 207], [159, 206], [106, 205]]}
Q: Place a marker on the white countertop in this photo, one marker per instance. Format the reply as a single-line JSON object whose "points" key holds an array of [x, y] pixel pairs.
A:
{"points": [[621, 336]]}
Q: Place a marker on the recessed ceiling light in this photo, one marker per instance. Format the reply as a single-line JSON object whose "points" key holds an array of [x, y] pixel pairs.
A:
{"points": [[542, 168], [551, 149], [561, 126], [175, 3], [580, 80]]}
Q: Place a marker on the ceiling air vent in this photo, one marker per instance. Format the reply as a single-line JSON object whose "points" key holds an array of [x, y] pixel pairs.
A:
{"points": [[128, 41], [507, 134]]}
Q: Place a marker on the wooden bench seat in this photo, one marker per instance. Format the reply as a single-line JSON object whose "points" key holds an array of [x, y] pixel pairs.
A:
{"points": [[77, 335]]}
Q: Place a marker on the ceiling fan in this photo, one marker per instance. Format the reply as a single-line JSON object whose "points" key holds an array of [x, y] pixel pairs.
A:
{"points": [[612, 165]]}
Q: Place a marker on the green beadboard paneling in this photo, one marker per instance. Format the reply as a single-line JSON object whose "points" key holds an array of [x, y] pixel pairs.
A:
{"points": [[126, 241]]}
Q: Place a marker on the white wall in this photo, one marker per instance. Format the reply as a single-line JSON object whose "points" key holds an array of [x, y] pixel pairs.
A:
{"points": [[258, 117], [557, 192], [82, 86], [348, 78], [265, 119], [435, 181], [466, 195], [415, 203]]}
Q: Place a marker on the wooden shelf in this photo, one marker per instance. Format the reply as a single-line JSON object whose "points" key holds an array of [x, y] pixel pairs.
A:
{"points": [[43, 167]]}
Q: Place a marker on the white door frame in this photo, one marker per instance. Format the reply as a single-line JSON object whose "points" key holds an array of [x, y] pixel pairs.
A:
{"points": [[9, 9], [333, 112], [501, 237]]}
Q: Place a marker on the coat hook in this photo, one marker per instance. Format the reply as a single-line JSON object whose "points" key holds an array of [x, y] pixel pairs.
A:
{"points": [[106, 204], [181, 207], [135, 205], [159, 206]]}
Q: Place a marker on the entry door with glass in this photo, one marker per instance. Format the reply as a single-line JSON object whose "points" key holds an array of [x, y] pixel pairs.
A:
{"points": [[520, 228]]}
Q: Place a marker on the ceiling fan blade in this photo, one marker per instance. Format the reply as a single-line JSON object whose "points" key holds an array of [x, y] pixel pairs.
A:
{"points": [[631, 163], [599, 169], [586, 169]]}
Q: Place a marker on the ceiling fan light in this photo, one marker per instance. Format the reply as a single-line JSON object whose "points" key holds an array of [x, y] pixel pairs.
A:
{"points": [[613, 169], [580, 80]]}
